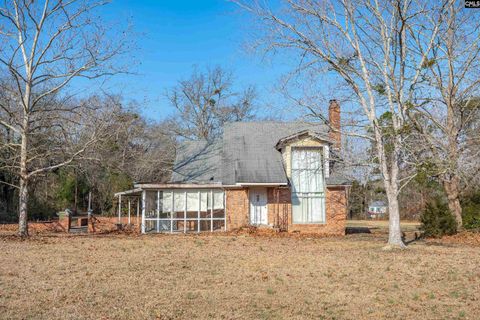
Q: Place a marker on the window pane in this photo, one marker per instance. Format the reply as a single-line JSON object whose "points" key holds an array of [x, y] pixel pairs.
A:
{"points": [[179, 201], [192, 201], [296, 209], [217, 199], [166, 201], [204, 195], [308, 203], [307, 176], [317, 209]]}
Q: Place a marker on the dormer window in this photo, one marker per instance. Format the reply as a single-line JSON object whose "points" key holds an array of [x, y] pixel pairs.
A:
{"points": [[308, 185]]}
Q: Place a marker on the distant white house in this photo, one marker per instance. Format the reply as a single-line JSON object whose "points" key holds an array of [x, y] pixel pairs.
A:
{"points": [[377, 209]]}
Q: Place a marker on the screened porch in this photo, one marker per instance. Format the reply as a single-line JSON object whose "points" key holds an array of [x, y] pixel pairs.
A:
{"points": [[174, 210], [183, 210]]}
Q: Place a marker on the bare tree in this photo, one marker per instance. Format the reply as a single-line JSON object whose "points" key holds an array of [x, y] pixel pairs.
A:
{"points": [[445, 108], [206, 101], [141, 149], [365, 44], [132, 149], [47, 45]]}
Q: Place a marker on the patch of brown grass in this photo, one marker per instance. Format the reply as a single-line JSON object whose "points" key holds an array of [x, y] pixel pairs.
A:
{"points": [[234, 277], [462, 238]]}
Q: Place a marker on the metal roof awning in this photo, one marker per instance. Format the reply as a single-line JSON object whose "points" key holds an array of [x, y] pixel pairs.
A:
{"points": [[132, 192], [142, 186]]}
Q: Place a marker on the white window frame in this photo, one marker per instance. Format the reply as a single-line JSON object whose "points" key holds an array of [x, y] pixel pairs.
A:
{"points": [[309, 195]]}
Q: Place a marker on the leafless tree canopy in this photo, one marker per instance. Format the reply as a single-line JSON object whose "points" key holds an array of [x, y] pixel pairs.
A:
{"points": [[206, 101], [444, 108], [45, 46]]}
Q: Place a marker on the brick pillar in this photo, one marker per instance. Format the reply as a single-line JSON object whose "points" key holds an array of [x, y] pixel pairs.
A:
{"points": [[334, 119]]}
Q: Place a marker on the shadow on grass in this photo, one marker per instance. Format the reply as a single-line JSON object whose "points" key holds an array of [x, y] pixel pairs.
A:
{"points": [[417, 236], [356, 230]]}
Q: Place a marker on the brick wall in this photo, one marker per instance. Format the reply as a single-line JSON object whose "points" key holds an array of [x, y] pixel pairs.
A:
{"points": [[237, 208], [336, 215], [279, 210], [279, 207]]}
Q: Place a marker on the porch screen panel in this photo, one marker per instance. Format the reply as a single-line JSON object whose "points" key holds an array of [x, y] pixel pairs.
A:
{"points": [[184, 210], [150, 210], [308, 186], [178, 200], [192, 200], [166, 202], [218, 206], [151, 204], [217, 199], [204, 195]]}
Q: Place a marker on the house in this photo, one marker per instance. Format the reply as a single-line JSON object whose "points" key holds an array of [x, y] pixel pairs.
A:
{"points": [[377, 209], [282, 175]]}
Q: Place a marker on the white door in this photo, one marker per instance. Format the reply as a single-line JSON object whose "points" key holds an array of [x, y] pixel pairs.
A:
{"points": [[258, 206]]}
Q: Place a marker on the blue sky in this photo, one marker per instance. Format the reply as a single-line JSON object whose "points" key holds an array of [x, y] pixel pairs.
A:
{"points": [[174, 36]]}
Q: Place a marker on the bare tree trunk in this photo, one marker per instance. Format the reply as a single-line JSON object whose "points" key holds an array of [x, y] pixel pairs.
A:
{"points": [[76, 191], [390, 169], [395, 232], [23, 192], [22, 220], [451, 186]]}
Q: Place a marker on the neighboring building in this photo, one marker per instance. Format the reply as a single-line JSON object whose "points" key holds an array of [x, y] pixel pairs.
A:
{"points": [[283, 175], [377, 209]]}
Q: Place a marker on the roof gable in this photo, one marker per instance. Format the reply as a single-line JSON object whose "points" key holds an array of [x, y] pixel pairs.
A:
{"points": [[302, 135]]}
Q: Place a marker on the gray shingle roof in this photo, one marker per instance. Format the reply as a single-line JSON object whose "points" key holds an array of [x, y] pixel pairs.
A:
{"points": [[198, 162], [249, 153], [245, 154]]}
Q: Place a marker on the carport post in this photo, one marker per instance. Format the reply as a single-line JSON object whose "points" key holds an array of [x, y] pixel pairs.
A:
{"points": [[185, 214], [211, 211], [225, 210], [198, 213], [119, 208], [129, 210], [144, 197], [158, 210], [171, 213], [138, 209]]}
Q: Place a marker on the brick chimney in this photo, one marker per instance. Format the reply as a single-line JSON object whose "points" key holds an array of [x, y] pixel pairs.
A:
{"points": [[334, 120]]}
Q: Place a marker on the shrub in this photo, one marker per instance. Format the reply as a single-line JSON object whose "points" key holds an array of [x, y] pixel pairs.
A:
{"points": [[437, 220], [471, 211]]}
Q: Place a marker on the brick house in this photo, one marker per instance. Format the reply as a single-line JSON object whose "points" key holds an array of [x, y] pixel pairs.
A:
{"points": [[282, 175]]}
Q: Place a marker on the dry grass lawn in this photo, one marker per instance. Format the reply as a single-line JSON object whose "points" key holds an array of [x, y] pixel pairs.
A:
{"points": [[235, 277]]}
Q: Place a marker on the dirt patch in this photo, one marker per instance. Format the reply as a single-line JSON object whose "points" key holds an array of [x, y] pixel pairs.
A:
{"points": [[234, 277]]}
